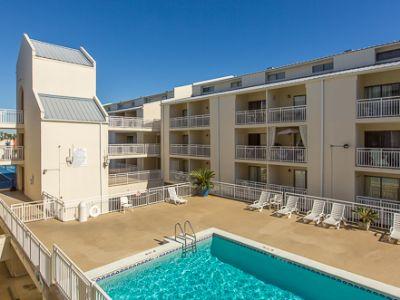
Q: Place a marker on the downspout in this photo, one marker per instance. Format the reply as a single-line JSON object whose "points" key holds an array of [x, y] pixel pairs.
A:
{"points": [[101, 165], [219, 143], [322, 170]]}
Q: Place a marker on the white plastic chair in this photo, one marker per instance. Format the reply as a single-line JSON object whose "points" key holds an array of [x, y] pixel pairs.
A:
{"points": [[336, 216], [289, 208], [174, 197], [316, 213], [125, 203], [395, 229], [262, 202]]}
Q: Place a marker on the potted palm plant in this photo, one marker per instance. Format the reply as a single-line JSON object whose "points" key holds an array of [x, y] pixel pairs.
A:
{"points": [[365, 217], [202, 180]]}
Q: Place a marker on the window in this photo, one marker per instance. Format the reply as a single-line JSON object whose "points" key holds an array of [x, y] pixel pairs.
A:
{"points": [[254, 139], [385, 55], [379, 91], [236, 84], [300, 179], [276, 76], [322, 67], [257, 174], [382, 139], [207, 89], [259, 104], [382, 187], [299, 100]]}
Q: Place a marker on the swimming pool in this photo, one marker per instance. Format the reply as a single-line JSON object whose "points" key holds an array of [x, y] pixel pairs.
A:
{"points": [[223, 268]]}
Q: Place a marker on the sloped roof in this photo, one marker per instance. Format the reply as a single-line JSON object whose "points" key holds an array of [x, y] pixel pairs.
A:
{"points": [[60, 53], [63, 108]]}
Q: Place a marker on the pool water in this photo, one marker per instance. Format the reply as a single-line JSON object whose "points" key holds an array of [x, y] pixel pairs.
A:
{"points": [[223, 269]]}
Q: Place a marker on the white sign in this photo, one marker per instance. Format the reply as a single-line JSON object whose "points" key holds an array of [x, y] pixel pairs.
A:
{"points": [[79, 157]]}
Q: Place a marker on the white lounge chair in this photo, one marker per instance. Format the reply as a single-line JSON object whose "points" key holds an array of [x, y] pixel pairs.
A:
{"points": [[316, 213], [125, 203], [336, 216], [262, 202], [276, 201], [395, 229], [289, 208], [173, 197]]}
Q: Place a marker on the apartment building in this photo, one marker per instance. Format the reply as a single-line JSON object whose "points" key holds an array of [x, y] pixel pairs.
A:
{"points": [[328, 126], [134, 143]]}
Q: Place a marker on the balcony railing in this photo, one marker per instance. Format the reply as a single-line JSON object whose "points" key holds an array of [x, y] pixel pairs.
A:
{"points": [[190, 150], [253, 184], [251, 152], [286, 189], [10, 116], [288, 154], [179, 176], [133, 149], [378, 107], [250, 117], [133, 177], [378, 158], [378, 202], [135, 123], [122, 168], [288, 114], [190, 121], [11, 153]]}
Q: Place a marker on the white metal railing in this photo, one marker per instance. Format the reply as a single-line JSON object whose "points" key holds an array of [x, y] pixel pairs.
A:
{"points": [[133, 149], [286, 189], [179, 176], [190, 150], [122, 168], [378, 158], [249, 117], [9, 153], [287, 154], [132, 177], [132, 122], [379, 202], [11, 116], [190, 121], [378, 107], [251, 152], [34, 211], [287, 114], [238, 192], [250, 183], [385, 214]]}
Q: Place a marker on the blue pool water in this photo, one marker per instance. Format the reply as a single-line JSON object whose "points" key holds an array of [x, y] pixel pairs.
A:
{"points": [[223, 269]]}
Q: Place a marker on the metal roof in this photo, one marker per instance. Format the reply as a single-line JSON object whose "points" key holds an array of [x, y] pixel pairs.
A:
{"points": [[60, 53], [61, 108]]}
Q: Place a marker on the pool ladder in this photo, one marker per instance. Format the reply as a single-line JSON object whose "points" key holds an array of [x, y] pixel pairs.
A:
{"points": [[185, 237]]}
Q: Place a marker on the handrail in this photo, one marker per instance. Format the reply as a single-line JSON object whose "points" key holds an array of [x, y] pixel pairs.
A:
{"points": [[193, 234]]}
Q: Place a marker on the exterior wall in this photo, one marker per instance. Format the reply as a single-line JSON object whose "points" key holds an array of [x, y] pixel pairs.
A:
{"points": [[152, 110], [63, 180]]}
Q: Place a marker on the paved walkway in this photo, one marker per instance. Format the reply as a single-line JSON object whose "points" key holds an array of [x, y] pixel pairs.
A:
{"points": [[116, 235]]}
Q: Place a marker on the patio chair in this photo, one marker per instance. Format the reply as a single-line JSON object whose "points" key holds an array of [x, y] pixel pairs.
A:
{"points": [[262, 202], [316, 213], [125, 203], [336, 216], [289, 208], [173, 197], [395, 229], [276, 201]]}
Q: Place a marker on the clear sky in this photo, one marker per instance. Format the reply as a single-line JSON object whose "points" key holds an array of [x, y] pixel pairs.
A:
{"points": [[146, 47]]}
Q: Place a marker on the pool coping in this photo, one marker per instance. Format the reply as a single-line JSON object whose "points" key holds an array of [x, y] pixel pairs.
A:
{"points": [[173, 246]]}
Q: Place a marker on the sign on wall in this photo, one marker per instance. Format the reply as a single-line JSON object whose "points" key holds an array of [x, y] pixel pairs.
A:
{"points": [[79, 157]]}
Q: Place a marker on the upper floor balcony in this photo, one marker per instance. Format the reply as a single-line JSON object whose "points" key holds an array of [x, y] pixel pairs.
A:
{"points": [[386, 158], [195, 121], [251, 117], [11, 118], [134, 150], [134, 177], [289, 114], [11, 154], [290, 154], [245, 152], [179, 176], [378, 107], [196, 150], [133, 123]]}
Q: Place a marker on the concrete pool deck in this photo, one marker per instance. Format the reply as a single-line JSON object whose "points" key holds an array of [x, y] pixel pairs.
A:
{"points": [[115, 236]]}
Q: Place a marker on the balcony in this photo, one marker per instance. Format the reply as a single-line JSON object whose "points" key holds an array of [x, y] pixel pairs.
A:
{"points": [[190, 150], [122, 168], [250, 183], [251, 117], [10, 118], [288, 114], [9, 154], [287, 154], [178, 176], [378, 107], [134, 177], [378, 158], [134, 149], [245, 152], [133, 123], [197, 121], [286, 189]]}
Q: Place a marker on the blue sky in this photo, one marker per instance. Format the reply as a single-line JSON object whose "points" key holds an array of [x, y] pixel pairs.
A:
{"points": [[145, 47]]}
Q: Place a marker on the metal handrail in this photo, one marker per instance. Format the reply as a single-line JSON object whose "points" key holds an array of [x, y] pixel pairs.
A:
{"points": [[193, 234]]}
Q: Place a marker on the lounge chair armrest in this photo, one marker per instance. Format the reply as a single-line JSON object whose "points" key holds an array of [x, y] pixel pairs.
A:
{"points": [[308, 212], [327, 216], [391, 229]]}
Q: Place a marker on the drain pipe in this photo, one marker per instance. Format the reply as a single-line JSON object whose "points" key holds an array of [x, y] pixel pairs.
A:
{"points": [[322, 170]]}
